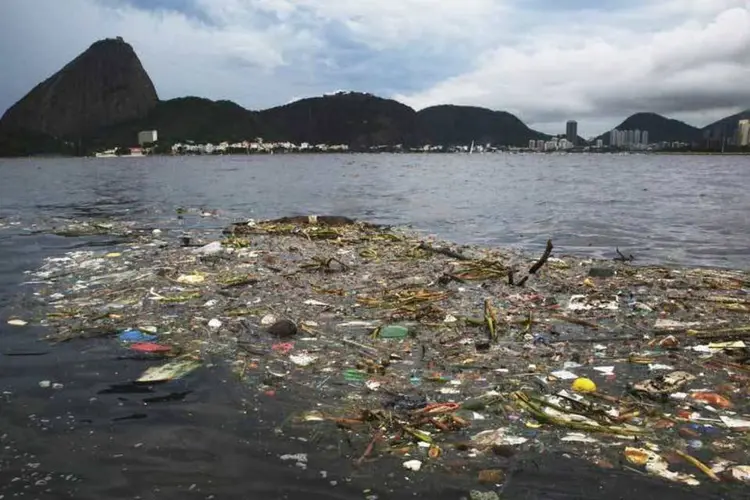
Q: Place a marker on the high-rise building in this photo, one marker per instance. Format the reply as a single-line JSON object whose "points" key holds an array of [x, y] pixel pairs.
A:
{"points": [[147, 137], [743, 132], [630, 138], [532, 143], [599, 144], [644, 138], [613, 137], [571, 131], [637, 137]]}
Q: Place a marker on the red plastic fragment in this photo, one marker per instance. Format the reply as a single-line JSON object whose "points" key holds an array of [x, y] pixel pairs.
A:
{"points": [[150, 347], [283, 347]]}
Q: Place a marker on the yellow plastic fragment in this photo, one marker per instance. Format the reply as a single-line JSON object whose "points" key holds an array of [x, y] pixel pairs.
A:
{"points": [[583, 384]]}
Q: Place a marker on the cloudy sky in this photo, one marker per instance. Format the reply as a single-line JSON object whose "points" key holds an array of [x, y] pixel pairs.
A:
{"points": [[546, 61]]}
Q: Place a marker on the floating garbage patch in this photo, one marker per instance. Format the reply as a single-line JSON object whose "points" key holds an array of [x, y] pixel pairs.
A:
{"points": [[422, 353]]}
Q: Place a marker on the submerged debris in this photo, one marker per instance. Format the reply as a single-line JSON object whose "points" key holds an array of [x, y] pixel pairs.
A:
{"points": [[408, 346]]}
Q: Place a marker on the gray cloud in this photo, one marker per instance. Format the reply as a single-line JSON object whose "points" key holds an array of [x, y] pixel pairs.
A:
{"points": [[695, 64], [695, 100]]}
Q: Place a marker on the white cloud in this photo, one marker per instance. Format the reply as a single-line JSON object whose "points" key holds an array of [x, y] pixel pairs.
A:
{"points": [[695, 64]]}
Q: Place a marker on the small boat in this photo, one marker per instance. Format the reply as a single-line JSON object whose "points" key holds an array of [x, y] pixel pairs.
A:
{"points": [[109, 153]]}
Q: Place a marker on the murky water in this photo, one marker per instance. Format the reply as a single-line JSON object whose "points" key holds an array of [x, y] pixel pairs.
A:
{"points": [[201, 437], [682, 209]]}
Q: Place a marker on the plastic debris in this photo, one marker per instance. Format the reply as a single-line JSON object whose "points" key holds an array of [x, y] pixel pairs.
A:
{"points": [[577, 437], [212, 248], [583, 384], [564, 375], [393, 332], [664, 384], [268, 319], [150, 347], [313, 302], [17, 322], [740, 473], [659, 366], [302, 359], [735, 423], [300, 459], [711, 398], [135, 336], [498, 437], [413, 465], [657, 465], [175, 369], [283, 347], [420, 348], [352, 375], [191, 279]]}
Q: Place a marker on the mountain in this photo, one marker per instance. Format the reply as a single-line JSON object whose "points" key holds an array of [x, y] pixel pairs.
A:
{"points": [[356, 119], [25, 143], [352, 118], [184, 119], [448, 125], [726, 127], [659, 128], [104, 85], [104, 97]]}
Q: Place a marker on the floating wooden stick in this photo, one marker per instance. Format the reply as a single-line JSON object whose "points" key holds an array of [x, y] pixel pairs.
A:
{"points": [[543, 259], [537, 265], [443, 251], [621, 257]]}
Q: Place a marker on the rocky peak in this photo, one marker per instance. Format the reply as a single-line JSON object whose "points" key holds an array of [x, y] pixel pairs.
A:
{"points": [[103, 86]]}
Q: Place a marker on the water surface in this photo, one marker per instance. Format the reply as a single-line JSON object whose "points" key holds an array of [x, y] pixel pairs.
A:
{"points": [[689, 210], [89, 441]]}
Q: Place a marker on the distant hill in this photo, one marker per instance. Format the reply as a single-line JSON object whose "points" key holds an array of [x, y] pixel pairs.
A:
{"points": [[726, 127], [352, 118], [450, 125], [660, 128], [104, 97], [25, 143], [104, 85], [185, 119]]}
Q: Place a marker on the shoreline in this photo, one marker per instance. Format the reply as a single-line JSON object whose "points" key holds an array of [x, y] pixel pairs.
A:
{"points": [[285, 153]]}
